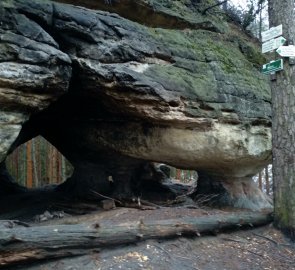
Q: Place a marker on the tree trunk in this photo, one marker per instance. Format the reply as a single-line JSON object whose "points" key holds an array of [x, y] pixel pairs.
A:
{"points": [[39, 163], [260, 181], [29, 161], [34, 164], [283, 124], [178, 174], [267, 186], [224, 5], [260, 21], [49, 163], [21, 244], [63, 168]]}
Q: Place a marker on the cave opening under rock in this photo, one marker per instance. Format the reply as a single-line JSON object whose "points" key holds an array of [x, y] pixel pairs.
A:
{"points": [[114, 114], [118, 98], [37, 163]]}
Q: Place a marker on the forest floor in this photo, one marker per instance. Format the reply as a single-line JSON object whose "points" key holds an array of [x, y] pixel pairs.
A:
{"points": [[258, 248]]}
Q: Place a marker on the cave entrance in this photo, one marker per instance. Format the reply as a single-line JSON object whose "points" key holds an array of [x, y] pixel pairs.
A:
{"points": [[37, 163], [183, 176], [264, 180], [168, 183]]}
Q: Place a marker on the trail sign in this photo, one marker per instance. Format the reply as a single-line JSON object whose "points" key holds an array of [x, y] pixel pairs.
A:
{"points": [[272, 33], [272, 66], [272, 44], [286, 51]]}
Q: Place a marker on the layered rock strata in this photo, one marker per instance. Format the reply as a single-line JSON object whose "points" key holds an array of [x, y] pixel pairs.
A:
{"points": [[189, 96]]}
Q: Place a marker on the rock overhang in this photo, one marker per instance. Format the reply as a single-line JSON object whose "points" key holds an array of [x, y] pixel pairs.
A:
{"points": [[192, 98]]}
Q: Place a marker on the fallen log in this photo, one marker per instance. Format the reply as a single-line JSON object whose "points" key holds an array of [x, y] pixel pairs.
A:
{"points": [[20, 244]]}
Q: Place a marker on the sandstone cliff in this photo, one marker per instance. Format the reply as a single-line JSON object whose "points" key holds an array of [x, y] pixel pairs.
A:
{"points": [[164, 83]]}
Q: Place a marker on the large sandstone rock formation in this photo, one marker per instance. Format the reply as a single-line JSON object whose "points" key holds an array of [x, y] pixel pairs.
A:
{"points": [[173, 86]]}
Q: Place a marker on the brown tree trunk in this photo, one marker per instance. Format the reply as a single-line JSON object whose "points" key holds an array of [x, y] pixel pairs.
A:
{"points": [[58, 163], [24, 165], [34, 163], [49, 164], [283, 125], [38, 160], [29, 161], [22, 244], [178, 174], [54, 165]]}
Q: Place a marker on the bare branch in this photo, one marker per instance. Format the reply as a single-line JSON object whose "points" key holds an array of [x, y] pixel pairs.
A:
{"points": [[216, 5]]}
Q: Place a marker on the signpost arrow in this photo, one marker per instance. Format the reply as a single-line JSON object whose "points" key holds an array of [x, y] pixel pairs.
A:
{"points": [[273, 44], [272, 33], [272, 66], [286, 51]]}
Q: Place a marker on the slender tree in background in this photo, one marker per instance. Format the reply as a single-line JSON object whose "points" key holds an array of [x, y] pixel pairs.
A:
{"points": [[37, 163], [29, 181], [225, 5], [260, 9], [34, 163], [283, 123], [260, 181], [267, 186]]}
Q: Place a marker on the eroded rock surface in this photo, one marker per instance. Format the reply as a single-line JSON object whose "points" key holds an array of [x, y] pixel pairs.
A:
{"points": [[189, 95], [33, 71]]}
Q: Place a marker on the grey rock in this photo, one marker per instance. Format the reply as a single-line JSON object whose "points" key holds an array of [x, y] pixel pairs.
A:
{"points": [[189, 96], [33, 71]]}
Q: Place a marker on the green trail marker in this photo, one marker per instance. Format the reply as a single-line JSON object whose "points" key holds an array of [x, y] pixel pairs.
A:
{"points": [[272, 66]]}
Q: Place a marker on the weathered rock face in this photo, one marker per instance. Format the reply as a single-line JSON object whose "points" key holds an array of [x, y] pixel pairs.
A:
{"points": [[189, 95], [33, 71]]}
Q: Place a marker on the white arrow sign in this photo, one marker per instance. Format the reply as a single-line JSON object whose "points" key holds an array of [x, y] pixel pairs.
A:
{"points": [[286, 51], [272, 33], [273, 44]]}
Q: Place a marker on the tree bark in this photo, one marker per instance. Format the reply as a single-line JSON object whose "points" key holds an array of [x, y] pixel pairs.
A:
{"points": [[260, 181], [225, 5], [283, 129], [34, 164], [49, 163], [22, 244], [260, 21], [267, 186], [29, 161]]}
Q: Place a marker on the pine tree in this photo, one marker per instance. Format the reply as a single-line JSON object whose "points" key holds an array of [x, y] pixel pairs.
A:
{"points": [[283, 123]]}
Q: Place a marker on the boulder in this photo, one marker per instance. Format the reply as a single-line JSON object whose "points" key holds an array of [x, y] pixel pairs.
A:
{"points": [[187, 94], [33, 70]]}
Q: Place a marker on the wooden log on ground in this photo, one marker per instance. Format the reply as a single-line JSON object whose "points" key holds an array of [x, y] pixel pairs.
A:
{"points": [[20, 244]]}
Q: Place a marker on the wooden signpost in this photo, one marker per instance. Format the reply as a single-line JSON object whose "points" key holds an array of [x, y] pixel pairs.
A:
{"points": [[272, 39]]}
